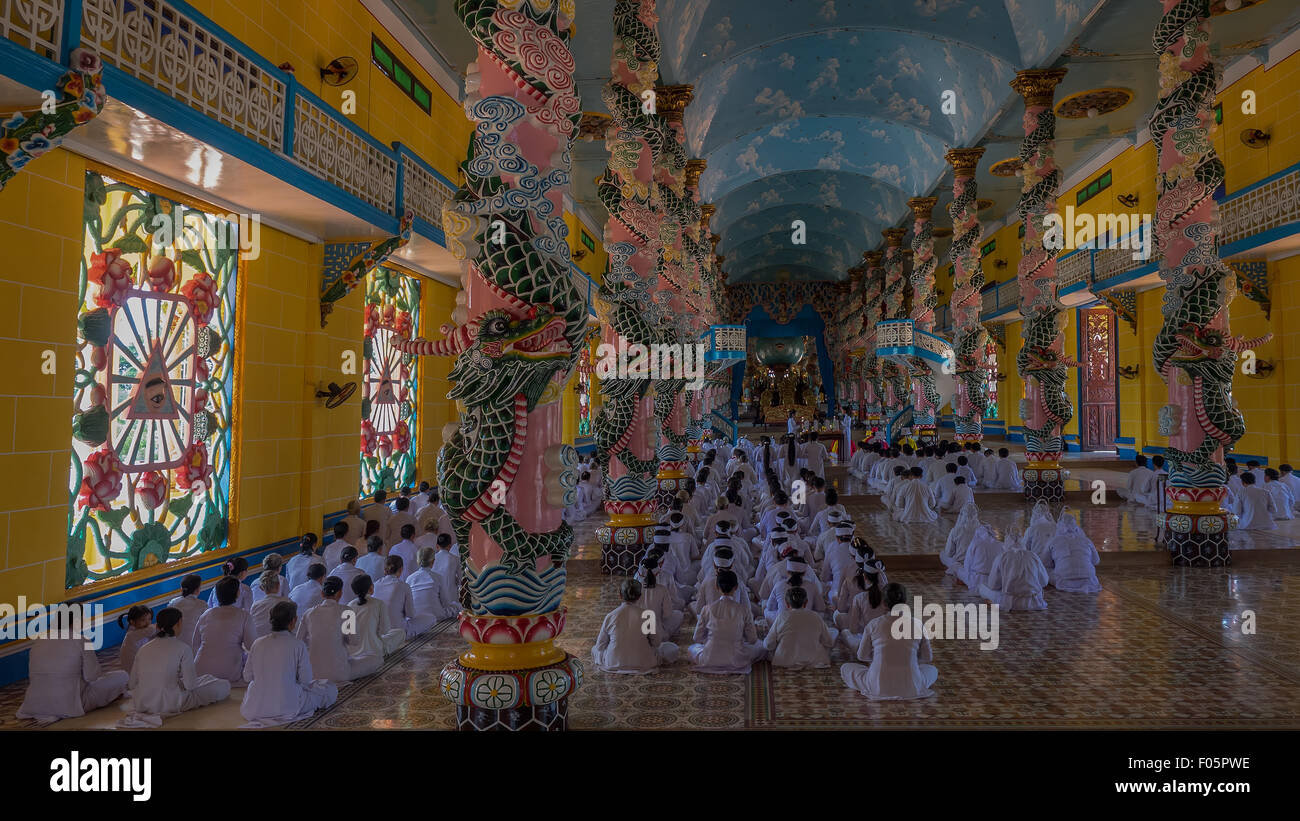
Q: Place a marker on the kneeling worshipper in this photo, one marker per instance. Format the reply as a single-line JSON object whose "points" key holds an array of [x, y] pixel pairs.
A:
{"points": [[164, 681], [377, 634], [224, 634], [896, 667], [400, 600], [1141, 488], [1017, 579], [914, 504], [1074, 558], [328, 646], [1283, 501], [867, 603], [897, 480], [429, 590], [1254, 506], [796, 574], [1041, 529], [281, 688], [623, 644], [953, 555], [64, 679], [798, 639], [984, 549], [961, 494], [726, 640], [943, 486], [823, 519], [657, 599], [840, 559], [708, 591], [1003, 473]]}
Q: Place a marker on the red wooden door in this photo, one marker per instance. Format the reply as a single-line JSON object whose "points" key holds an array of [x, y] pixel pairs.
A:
{"points": [[1099, 419]]}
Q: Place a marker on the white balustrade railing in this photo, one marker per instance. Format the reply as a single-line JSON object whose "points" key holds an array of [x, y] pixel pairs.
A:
{"points": [[35, 24], [329, 149]]}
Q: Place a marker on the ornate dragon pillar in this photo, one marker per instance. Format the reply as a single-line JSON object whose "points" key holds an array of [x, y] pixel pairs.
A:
{"points": [[1041, 361], [895, 378], [873, 312], [626, 431], [925, 397], [1194, 350], [971, 399], [504, 472]]}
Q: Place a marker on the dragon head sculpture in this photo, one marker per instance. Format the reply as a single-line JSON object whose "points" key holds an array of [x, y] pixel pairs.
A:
{"points": [[511, 354]]}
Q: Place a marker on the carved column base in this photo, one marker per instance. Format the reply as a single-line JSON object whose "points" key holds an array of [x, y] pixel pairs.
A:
{"points": [[624, 541], [670, 480], [1044, 480], [1197, 531], [504, 683]]}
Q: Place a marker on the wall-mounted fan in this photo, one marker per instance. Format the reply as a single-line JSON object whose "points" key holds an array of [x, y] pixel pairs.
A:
{"points": [[340, 71], [335, 395]]}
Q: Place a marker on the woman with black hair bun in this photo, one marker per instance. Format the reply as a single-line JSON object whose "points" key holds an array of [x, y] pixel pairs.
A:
{"points": [[281, 688], [376, 634], [165, 680], [897, 665], [191, 607], [224, 633], [330, 648], [138, 622], [628, 641], [236, 568], [296, 568]]}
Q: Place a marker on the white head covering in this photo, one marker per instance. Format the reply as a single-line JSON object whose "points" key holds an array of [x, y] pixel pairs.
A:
{"points": [[1041, 513], [662, 538], [795, 566], [722, 526], [724, 564]]}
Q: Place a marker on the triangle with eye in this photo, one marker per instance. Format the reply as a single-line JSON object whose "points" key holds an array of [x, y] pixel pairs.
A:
{"points": [[153, 398]]}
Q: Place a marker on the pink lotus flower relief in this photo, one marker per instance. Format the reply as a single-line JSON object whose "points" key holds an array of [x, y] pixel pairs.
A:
{"points": [[201, 291], [113, 275], [162, 274], [371, 320], [384, 447], [404, 324], [151, 488], [101, 481], [86, 61], [368, 438], [401, 437], [195, 471]]}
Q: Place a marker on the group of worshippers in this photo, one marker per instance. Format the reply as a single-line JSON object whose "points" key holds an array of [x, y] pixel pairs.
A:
{"points": [[589, 493], [1013, 571], [764, 577], [918, 485], [1258, 496], [301, 629]]}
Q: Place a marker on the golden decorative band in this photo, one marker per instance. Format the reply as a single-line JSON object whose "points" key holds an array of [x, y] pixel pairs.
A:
{"points": [[511, 656], [964, 160], [1196, 508], [1038, 86], [631, 519]]}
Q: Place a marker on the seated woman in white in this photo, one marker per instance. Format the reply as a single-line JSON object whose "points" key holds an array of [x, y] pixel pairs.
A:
{"points": [[953, 555], [913, 502], [347, 569], [1283, 501], [64, 679], [295, 570], [795, 574], [726, 640], [308, 594], [427, 588], [709, 591], [281, 688], [896, 668], [1141, 484], [396, 594], [224, 633], [138, 622], [1042, 527], [376, 632], [328, 646], [984, 548], [1074, 558], [372, 561], [627, 642], [236, 568], [1017, 579], [272, 564], [867, 604], [268, 584], [798, 638], [164, 679], [333, 552], [656, 598], [191, 607], [961, 494]]}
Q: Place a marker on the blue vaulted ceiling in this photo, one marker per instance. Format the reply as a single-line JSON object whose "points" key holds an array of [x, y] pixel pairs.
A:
{"points": [[829, 111]]}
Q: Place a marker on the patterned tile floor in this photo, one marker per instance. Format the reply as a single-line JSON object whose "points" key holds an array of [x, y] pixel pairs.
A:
{"points": [[1159, 647]]}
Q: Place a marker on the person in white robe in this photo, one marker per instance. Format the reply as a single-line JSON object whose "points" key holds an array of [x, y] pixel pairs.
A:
{"points": [[236, 568], [1017, 579], [839, 560], [371, 562], [378, 512], [377, 634], [405, 548], [308, 594], [964, 469], [897, 666], [281, 686], [401, 518], [191, 607], [1283, 501], [961, 494], [261, 614], [272, 565], [1005, 475], [1041, 529], [164, 679], [224, 634], [447, 565], [867, 603], [978, 562], [333, 552], [327, 644], [823, 519], [890, 496], [816, 454], [397, 595], [429, 589], [1141, 488], [725, 640], [913, 503], [1287, 477], [1255, 506], [943, 486], [295, 569], [794, 573], [64, 679], [953, 555], [138, 622], [354, 523], [827, 533], [627, 642], [657, 598], [846, 430], [791, 426], [1074, 558], [798, 639], [346, 570]]}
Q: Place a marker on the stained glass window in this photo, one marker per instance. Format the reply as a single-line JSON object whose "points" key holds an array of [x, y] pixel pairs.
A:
{"points": [[991, 378], [583, 386], [389, 403], [151, 430]]}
